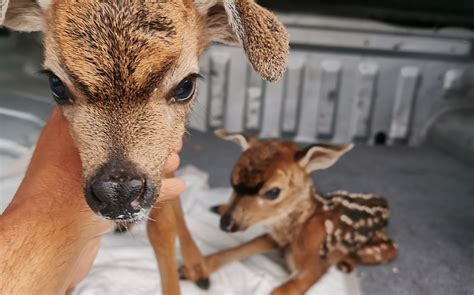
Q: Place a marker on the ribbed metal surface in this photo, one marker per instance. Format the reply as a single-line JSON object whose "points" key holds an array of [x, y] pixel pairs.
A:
{"points": [[336, 93]]}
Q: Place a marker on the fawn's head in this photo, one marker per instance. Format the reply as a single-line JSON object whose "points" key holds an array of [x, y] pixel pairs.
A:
{"points": [[270, 178], [124, 72]]}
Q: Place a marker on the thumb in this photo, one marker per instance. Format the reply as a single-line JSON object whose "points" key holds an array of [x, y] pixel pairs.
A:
{"points": [[171, 188]]}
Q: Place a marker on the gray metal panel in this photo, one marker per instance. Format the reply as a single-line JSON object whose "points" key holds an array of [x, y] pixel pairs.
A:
{"points": [[308, 116], [254, 101], [218, 77], [366, 80], [404, 98], [329, 94], [292, 94], [334, 96], [237, 90], [272, 107], [348, 38]]}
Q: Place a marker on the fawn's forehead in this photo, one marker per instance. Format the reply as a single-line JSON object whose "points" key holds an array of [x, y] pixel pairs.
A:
{"points": [[259, 163], [117, 49]]}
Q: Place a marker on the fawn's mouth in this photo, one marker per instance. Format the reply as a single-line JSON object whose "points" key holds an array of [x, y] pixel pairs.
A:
{"points": [[227, 224]]}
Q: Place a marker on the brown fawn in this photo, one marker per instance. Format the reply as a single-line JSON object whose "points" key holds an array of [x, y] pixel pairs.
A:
{"points": [[124, 73], [272, 186]]}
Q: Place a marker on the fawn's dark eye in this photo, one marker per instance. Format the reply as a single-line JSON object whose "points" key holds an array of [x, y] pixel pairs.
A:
{"points": [[185, 89], [59, 91], [272, 193]]}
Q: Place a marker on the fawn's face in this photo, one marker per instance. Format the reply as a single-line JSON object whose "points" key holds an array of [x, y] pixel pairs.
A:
{"points": [[270, 179], [125, 83], [124, 74]]}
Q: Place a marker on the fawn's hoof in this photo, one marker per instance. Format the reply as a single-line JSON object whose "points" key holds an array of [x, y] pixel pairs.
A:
{"points": [[345, 267], [182, 276], [214, 209], [203, 283]]}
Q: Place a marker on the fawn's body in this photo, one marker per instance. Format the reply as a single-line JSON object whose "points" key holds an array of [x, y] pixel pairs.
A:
{"points": [[272, 187]]}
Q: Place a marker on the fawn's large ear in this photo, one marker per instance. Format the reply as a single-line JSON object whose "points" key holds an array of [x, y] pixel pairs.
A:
{"points": [[244, 22], [317, 157], [23, 15], [239, 138]]}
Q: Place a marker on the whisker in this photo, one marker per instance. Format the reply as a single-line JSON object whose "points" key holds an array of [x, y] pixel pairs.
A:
{"points": [[149, 218]]}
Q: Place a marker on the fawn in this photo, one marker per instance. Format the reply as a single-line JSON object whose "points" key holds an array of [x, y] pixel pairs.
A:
{"points": [[124, 74], [273, 187]]}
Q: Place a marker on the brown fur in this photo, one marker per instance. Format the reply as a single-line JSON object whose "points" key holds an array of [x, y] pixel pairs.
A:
{"points": [[315, 231], [121, 61], [127, 65]]}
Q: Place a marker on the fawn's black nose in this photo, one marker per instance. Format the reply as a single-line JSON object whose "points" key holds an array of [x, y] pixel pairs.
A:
{"points": [[228, 224], [119, 193]]}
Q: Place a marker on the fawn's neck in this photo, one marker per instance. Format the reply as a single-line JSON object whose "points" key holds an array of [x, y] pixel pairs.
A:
{"points": [[286, 228]]}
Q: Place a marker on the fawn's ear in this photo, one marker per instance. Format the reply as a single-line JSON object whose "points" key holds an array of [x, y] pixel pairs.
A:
{"points": [[244, 22], [23, 15], [317, 157], [239, 138]]}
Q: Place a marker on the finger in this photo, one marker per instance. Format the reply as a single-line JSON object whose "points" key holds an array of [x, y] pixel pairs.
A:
{"points": [[171, 188], [179, 146], [172, 163]]}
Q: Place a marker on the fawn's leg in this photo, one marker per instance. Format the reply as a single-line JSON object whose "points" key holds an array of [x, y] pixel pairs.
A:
{"points": [[309, 274], [161, 229], [259, 245], [347, 265], [380, 252], [193, 261]]}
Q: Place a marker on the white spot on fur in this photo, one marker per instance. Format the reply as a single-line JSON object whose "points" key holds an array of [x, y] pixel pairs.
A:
{"points": [[329, 226], [378, 257], [346, 219], [347, 236]]}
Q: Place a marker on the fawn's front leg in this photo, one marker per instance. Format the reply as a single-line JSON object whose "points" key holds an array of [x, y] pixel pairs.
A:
{"points": [[161, 229], [192, 258], [259, 245], [309, 273]]}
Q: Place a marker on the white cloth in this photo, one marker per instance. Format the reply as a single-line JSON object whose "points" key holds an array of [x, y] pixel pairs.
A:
{"points": [[126, 263]]}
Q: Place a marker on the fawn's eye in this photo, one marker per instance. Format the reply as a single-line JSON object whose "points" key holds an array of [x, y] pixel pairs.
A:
{"points": [[272, 193], [185, 89], [58, 90]]}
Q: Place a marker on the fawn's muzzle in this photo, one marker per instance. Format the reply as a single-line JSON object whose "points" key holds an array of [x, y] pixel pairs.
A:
{"points": [[228, 224], [119, 193]]}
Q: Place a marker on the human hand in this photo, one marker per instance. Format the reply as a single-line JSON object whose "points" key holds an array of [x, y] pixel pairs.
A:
{"points": [[50, 212]]}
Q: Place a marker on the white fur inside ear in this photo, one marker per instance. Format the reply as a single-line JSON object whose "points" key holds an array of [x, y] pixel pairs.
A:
{"points": [[44, 4], [240, 140], [320, 157], [234, 19], [204, 5]]}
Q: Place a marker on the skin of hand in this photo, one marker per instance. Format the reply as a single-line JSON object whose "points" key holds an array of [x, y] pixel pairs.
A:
{"points": [[49, 237]]}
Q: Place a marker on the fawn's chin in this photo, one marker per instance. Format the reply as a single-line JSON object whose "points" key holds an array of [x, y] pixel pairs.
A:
{"points": [[126, 216]]}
